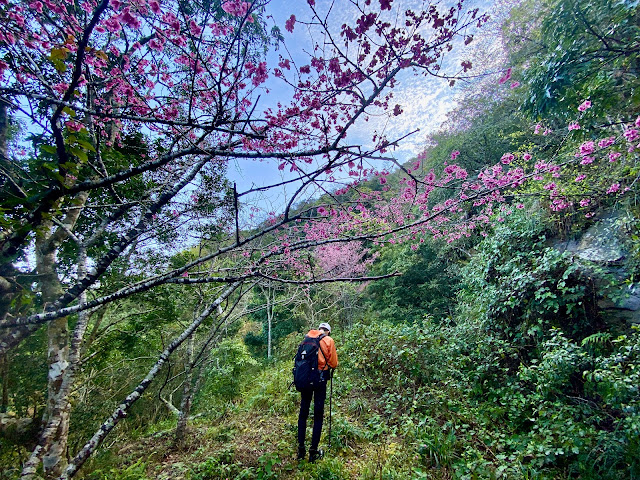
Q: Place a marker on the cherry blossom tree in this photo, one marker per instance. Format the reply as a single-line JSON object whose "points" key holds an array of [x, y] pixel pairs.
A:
{"points": [[132, 112]]}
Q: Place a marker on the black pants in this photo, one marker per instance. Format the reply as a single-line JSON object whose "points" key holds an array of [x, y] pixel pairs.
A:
{"points": [[319, 394]]}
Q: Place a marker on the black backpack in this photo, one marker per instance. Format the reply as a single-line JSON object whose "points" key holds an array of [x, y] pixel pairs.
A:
{"points": [[305, 368]]}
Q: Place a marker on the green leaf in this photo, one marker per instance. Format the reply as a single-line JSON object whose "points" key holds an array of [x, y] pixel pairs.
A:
{"points": [[59, 66], [86, 145], [59, 53], [78, 152], [48, 149]]}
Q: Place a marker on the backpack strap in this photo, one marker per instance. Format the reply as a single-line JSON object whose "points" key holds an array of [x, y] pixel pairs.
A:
{"points": [[322, 335]]}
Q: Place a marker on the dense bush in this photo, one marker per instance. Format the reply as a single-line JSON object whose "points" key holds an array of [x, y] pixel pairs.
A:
{"points": [[223, 377]]}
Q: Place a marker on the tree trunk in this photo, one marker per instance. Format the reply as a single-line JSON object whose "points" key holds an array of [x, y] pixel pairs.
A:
{"points": [[54, 457], [269, 317], [8, 287], [270, 296], [4, 372], [187, 395], [121, 411], [62, 358]]}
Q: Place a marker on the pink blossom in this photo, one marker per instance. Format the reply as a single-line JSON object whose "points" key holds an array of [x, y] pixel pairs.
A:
{"points": [[550, 186], [584, 106], [613, 188], [507, 158], [586, 160], [527, 156], [74, 126], [537, 128], [637, 123], [455, 154], [155, 6], [322, 211], [383, 180], [236, 8], [461, 174], [584, 202], [289, 24], [257, 72], [228, 7], [185, 274], [514, 85], [37, 6], [631, 134], [61, 87], [580, 177], [127, 17], [520, 206], [157, 44], [586, 148], [505, 77], [285, 64], [541, 166], [606, 142], [613, 156], [574, 126], [194, 28]]}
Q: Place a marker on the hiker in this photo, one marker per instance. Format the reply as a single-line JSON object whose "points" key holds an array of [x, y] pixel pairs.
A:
{"points": [[327, 361]]}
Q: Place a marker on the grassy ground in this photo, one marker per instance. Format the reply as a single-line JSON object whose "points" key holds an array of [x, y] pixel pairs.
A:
{"points": [[254, 437]]}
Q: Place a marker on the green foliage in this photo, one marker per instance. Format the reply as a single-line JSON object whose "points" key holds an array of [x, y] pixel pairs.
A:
{"points": [[330, 469], [223, 377], [587, 49], [25, 380], [427, 285], [267, 462], [135, 471], [385, 354], [491, 128], [221, 466], [519, 286]]}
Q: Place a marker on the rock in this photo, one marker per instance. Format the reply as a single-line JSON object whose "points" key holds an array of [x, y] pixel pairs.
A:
{"points": [[604, 245], [14, 428], [600, 243]]}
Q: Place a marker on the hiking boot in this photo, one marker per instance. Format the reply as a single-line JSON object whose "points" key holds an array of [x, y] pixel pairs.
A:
{"points": [[301, 453], [315, 455]]}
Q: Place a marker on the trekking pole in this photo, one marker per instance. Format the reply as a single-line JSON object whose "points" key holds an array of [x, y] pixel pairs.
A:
{"points": [[330, 401]]}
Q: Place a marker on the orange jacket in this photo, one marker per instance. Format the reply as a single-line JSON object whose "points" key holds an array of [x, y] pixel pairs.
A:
{"points": [[328, 347]]}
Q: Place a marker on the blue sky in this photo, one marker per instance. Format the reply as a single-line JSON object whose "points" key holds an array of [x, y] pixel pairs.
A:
{"points": [[425, 101]]}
